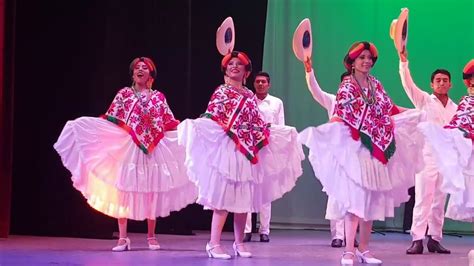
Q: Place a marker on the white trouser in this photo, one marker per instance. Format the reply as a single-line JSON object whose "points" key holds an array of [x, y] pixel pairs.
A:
{"points": [[337, 225], [264, 217], [429, 201], [337, 229]]}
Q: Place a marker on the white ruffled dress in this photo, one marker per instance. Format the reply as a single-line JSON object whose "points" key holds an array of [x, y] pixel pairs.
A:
{"points": [[454, 156], [116, 177], [359, 183], [226, 179]]}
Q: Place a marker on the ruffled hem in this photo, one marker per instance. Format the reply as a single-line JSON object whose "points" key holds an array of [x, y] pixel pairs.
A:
{"points": [[359, 183], [226, 179], [453, 154], [460, 212], [117, 178], [461, 203], [138, 206]]}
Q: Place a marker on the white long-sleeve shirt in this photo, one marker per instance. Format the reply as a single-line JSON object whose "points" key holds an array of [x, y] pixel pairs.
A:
{"points": [[436, 112], [272, 109], [325, 99]]}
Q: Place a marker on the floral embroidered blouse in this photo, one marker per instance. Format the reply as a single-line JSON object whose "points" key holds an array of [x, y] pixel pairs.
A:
{"points": [[145, 118], [367, 112], [236, 111], [464, 117]]}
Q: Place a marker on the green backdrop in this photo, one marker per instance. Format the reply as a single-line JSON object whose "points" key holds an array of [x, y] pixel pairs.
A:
{"points": [[441, 35]]}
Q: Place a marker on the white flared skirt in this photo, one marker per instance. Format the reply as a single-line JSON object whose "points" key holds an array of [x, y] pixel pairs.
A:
{"points": [[117, 178], [454, 157], [357, 182], [226, 179]]}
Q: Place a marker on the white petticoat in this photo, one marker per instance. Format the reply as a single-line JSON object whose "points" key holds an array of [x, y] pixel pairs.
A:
{"points": [[454, 156], [117, 178], [357, 182], [225, 177]]}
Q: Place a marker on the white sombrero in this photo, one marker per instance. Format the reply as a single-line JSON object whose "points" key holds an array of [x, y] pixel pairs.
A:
{"points": [[225, 37], [303, 40], [399, 30]]}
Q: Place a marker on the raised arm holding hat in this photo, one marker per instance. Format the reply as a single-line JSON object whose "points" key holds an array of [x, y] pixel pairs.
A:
{"points": [[452, 147], [302, 47], [364, 164], [429, 199]]}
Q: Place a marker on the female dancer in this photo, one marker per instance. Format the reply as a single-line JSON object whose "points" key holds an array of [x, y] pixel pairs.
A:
{"points": [[237, 160], [364, 158], [127, 163]]}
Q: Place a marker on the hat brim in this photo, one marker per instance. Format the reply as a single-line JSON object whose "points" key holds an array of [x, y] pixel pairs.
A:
{"points": [[303, 40], [399, 31], [225, 36]]}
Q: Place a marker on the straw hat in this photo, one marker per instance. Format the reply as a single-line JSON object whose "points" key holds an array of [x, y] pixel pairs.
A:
{"points": [[225, 37], [399, 30], [302, 40]]}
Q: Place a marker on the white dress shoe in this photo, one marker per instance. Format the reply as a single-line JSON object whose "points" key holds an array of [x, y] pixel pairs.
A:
{"points": [[362, 258], [123, 247], [243, 254], [212, 254], [347, 261], [152, 246]]}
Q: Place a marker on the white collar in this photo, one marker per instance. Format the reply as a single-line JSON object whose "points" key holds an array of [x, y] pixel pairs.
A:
{"points": [[436, 98]]}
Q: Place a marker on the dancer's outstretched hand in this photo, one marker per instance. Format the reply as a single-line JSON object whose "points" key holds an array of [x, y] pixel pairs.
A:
{"points": [[403, 55], [308, 64]]}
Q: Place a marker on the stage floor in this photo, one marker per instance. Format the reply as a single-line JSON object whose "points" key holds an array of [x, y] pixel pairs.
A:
{"points": [[286, 248]]}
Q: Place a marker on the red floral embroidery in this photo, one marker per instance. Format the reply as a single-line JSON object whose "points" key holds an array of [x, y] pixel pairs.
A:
{"points": [[145, 124], [372, 120], [238, 114], [464, 117]]}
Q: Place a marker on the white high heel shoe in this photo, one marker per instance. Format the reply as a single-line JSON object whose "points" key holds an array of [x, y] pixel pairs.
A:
{"points": [[212, 254], [243, 254], [152, 246], [123, 247], [363, 259], [347, 261]]}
